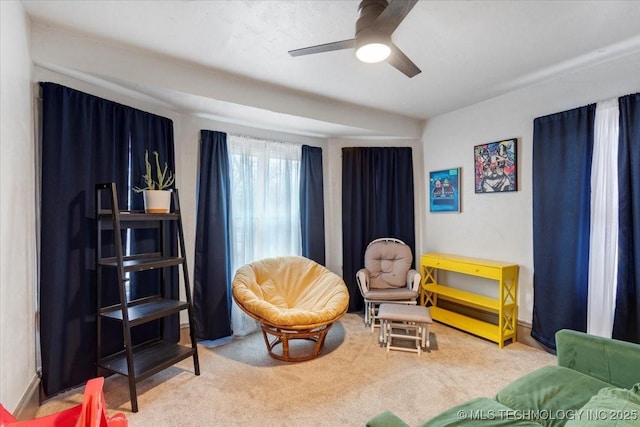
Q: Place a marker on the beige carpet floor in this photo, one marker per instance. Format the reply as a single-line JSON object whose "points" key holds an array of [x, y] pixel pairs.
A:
{"points": [[352, 381]]}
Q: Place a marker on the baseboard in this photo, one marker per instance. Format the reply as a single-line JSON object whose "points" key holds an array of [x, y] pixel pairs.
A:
{"points": [[30, 402], [523, 332]]}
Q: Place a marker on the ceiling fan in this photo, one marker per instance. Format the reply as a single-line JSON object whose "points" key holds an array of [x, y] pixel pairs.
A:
{"points": [[378, 20]]}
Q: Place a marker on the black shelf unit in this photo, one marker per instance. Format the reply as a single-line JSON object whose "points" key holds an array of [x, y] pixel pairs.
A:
{"points": [[138, 362]]}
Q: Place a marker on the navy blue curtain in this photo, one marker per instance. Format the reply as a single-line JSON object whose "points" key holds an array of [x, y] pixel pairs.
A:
{"points": [[312, 204], [149, 134], [377, 201], [627, 315], [212, 278], [85, 140], [562, 151]]}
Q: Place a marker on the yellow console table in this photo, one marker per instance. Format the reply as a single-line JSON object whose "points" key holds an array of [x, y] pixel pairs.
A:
{"points": [[505, 305]]}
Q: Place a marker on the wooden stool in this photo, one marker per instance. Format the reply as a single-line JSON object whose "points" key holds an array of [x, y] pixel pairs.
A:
{"points": [[413, 320]]}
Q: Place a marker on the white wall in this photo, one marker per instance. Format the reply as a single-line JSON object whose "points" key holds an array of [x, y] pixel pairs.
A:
{"points": [[17, 215], [499, 226]]}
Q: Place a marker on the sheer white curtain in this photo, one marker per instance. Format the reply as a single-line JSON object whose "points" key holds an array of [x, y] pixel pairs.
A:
{"points": [[603, 249], [265, 210]]}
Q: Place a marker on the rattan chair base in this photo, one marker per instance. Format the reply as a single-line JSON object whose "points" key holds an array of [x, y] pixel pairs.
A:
{"points": [[282, 337]]}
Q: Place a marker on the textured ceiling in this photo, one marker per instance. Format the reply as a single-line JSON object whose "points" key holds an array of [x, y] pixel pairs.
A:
{"points": [[469, 51]]}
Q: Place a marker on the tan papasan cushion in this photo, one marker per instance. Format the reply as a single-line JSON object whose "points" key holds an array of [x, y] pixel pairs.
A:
{"points": [[290, 292]]}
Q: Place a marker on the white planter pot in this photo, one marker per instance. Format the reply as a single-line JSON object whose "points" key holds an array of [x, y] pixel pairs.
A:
{"points": [[157, 201]]}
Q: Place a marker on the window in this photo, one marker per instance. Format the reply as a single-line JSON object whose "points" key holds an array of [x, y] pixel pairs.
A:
{"points": [[265, 208]]}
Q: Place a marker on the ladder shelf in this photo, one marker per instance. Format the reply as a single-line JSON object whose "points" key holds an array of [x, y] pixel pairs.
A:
{"points": [[138, 361]]}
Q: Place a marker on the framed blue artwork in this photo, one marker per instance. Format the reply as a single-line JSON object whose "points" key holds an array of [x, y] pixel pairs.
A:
{"points": [[444, 190]]}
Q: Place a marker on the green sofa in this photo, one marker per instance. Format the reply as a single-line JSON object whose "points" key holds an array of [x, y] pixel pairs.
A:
{"points": [[596, 383]]}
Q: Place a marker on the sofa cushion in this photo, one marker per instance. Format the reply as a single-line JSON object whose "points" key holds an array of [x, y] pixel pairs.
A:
{"points": [[479, 412], [386, 419], [548, 394], [612, 406], [612, 361]]}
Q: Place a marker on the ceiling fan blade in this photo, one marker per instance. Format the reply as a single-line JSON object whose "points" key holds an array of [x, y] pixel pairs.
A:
{"points": [[392, 16], [401, 62], [327, 47]]}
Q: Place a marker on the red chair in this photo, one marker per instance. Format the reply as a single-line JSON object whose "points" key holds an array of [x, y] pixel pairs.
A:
{"points": [[91, 413]]}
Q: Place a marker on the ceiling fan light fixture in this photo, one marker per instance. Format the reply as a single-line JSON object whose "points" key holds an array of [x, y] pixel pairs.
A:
{"points": [[373, 52], [372, 42]]}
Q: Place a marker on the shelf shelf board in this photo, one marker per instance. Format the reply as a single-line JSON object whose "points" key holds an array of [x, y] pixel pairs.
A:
{"points": [[147, 311], [141, 264], [487, 269], [469, 324], [140, 215], [433, 258], [467, 298], [135, 219], [148, 359]]}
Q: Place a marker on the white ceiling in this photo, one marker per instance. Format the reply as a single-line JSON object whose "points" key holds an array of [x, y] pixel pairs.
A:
{"points": [[469, 51]]}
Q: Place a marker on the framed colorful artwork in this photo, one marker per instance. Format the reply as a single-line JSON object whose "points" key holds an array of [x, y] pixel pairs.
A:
{"points": [[496, 169], [444, 190]]}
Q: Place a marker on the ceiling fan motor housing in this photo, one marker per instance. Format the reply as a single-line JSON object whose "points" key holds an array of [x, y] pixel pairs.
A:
{"points": [[366, 34], [369, 12]]}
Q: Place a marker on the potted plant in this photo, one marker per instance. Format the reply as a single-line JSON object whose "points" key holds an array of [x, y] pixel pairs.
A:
{"points": [[156, 193]]}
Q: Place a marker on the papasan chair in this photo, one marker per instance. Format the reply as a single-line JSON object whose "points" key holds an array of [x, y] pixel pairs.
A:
{"points": [[293, 298]]}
